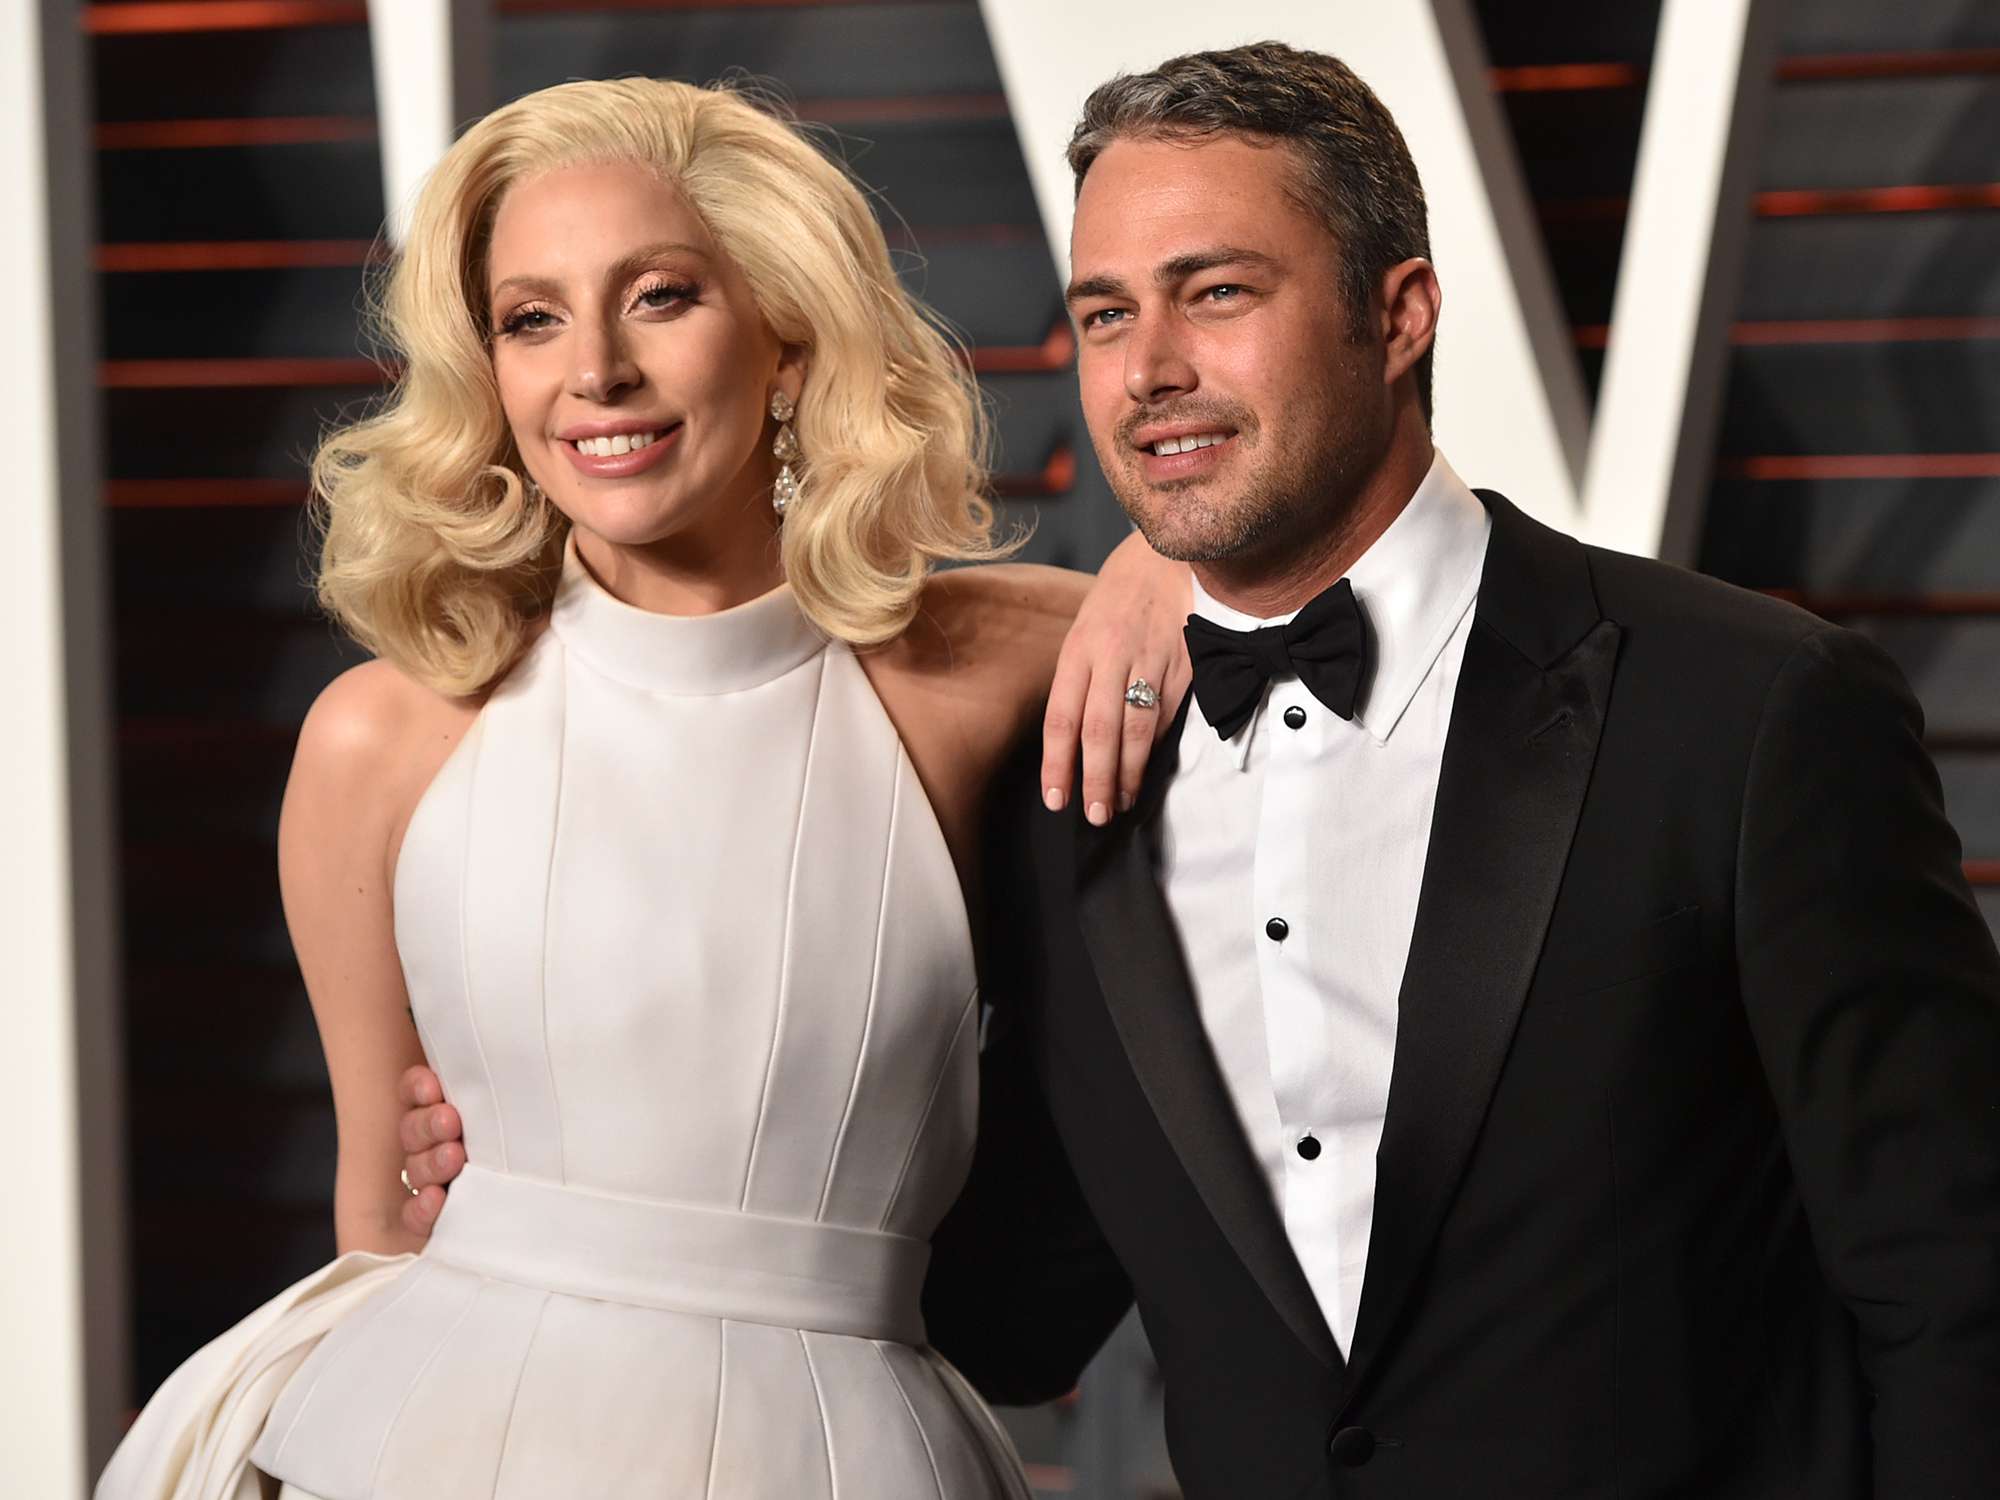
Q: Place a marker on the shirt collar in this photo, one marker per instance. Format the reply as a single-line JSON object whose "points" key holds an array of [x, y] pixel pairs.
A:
{"points": [[1415, 584]]}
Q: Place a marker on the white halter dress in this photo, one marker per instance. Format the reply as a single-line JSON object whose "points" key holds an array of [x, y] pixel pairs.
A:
{"points": [[685, 942]]}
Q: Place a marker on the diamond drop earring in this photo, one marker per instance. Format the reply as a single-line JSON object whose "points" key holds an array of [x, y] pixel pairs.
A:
{"points": [[784, 448]]}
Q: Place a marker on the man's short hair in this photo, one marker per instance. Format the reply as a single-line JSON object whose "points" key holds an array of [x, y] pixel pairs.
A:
{"points": [[1355, 173]]}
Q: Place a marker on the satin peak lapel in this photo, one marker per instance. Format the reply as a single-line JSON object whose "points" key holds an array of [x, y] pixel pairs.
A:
{"points": [[1517, 762], [1144, 980]]}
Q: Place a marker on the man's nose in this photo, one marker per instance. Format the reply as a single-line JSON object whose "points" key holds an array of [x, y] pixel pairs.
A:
{"points": [[1156, 366]]}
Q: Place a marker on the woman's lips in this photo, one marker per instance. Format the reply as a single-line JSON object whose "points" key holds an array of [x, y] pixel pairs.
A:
{"points": [[620, 465]]}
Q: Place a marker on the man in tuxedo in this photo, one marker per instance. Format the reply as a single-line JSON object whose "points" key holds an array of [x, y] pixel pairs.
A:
{"points": [[1532, 1036]]}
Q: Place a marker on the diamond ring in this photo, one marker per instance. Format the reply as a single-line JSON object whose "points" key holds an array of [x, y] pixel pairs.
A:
{"points": [[1142, 694]]}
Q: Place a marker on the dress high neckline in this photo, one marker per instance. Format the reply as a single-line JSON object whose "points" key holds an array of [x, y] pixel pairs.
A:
{"points": [[686, 655]]}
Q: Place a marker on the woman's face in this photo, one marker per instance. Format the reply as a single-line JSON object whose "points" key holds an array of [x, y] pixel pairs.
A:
{"points": [[634, 368]]}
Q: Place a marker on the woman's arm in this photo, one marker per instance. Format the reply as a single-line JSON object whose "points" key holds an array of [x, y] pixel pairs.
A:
{"points": [[370, 745]]}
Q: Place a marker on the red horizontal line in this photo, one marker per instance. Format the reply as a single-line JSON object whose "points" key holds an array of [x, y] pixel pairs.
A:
{"points": [[1816, 68], [1546, 78], [1057, 476], [585, 7], [218, 374], [1879, 200], [234, 255], [220, 15], [1963, 742], [1791, 203], [1982, 871], [1832, 331], [1856, 65], [269, 130], [1831, 604], [1053, 354], [1863, 466], [177, 494]]}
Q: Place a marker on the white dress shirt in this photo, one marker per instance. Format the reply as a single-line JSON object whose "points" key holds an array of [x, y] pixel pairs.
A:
{"points": [[1323, 824]]}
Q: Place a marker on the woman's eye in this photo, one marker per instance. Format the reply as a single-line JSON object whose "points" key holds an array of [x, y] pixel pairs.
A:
{"points": [[527, 320], [665, 295]]}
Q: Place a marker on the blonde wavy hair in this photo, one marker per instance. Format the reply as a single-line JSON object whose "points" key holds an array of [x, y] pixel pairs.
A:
{"points": [[437, 556]]}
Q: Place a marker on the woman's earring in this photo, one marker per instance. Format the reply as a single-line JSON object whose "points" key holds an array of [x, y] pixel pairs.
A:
{"points": [[784, 448], [535, 495]]}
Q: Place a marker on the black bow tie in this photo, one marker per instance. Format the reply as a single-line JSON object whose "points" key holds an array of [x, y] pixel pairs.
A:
{"points": [[1325, 647]]}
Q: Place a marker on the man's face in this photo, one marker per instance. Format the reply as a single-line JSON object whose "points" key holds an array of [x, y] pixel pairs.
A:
{"points": [[1209, 312]]}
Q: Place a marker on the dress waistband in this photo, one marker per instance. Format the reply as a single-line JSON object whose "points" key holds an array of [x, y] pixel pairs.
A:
{"points": [[717, 1263]]}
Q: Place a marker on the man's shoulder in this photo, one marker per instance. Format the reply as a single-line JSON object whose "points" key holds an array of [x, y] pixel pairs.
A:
{"points": [[1681, 611]]}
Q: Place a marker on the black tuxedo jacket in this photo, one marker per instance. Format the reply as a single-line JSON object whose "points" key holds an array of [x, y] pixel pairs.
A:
{"points": [[1690, 1179]]}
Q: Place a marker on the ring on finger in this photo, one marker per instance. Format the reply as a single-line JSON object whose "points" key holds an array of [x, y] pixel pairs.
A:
{"points": [[405, 1175], [1142, 694]]}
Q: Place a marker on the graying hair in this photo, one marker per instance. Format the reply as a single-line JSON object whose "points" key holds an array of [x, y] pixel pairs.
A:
{"points": [[1355, 173]]}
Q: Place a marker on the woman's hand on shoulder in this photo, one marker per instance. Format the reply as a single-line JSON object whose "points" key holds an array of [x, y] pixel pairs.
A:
{"points": [[368, 748], [1129, 629]]}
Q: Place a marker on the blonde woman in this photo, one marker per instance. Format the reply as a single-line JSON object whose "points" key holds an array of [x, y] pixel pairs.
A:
{"points": [[651, 829]]}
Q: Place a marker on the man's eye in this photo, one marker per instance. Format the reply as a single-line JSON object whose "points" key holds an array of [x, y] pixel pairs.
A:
{"points": [[1101, 316], [1225, 293]]}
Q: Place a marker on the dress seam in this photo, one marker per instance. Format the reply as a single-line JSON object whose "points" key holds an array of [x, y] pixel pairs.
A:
{"points": [[514, 1401], [930, 1454], [396, 1417], [785, 943], [465, 959], [969, 1008], [548, 906], [721, 1388], [825, 1425], [874, 985], [354, 1329]]}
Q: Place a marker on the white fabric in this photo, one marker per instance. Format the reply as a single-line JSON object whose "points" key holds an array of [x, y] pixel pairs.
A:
{"points": [[1325, 827], [687, 947]]}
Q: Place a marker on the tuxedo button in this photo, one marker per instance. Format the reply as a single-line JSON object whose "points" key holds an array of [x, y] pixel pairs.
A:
{"points": [[1295, 717], [1309, 1148], [1352, 1446], [1277, 929]]}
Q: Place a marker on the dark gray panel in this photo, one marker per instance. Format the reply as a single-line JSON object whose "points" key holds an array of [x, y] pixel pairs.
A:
{"points": [[1560, 31], [253, 557], [199, 75], [952, 173], [993, 292], [1872, 26], [250, 432], [1935, 397], [1972, 798], [1893, 536], [308, 313], [1989, 907], [1952, 664], [1032, 416], [815, 52], [1874, 266], [231, 667], [328, 191], [1883, 133], [1577, 144]]}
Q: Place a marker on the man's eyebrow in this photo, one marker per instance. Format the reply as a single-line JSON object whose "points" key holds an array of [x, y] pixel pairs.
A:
{"points": [[625, 267], [1176, 269]]}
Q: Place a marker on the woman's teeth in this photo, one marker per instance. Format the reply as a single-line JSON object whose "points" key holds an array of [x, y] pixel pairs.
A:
{"points": [[1188, 444], [611, 447]]}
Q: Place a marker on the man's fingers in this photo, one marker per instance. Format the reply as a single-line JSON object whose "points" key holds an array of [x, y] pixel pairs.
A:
{"points": [[1062, 725], [419, 1086], [423, 1128], [421, 1211]]}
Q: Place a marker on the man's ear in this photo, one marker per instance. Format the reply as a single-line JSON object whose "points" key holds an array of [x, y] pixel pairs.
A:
{"points": [[1410, 302]]}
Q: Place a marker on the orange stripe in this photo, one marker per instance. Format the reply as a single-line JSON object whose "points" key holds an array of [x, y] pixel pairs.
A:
{"points": [[1982, 871], [1881, 200], [1832, 331], [221, 15], [1863, 466], [176, 494], [1056, 478], [1561, 77], [218, 374], [1053, 353], [290, 130], [234, 255], [568, 7], [1853, 65], [1845, 604]]}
